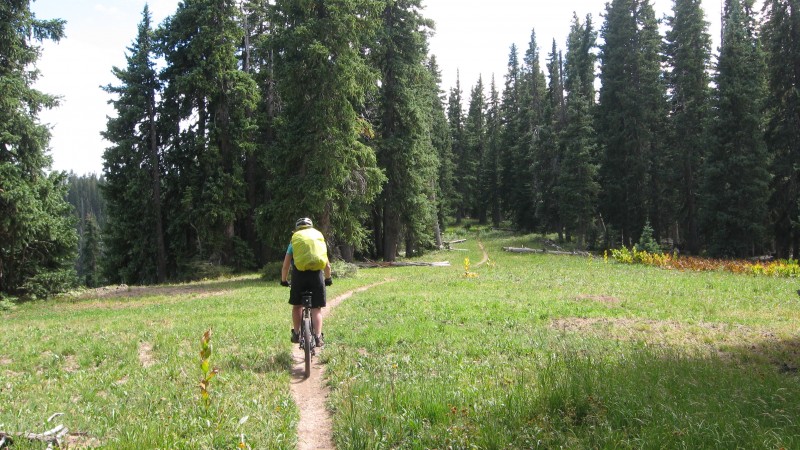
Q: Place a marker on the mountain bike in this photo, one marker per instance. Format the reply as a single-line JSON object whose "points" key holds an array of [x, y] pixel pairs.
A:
{"points": [[307, 342]]}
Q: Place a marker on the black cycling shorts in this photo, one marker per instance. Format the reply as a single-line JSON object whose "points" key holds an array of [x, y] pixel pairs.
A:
{"points": [[308, 280]]}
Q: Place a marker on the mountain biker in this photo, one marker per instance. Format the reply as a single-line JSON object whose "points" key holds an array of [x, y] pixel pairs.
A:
{"points": [[307, 278]]}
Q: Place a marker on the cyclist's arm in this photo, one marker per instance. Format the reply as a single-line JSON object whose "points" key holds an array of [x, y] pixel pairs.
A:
{"points": [[287, 264], [327, 270]]}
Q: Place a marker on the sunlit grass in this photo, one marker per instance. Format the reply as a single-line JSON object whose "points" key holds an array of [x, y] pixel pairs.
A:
{"points": [[535, 351]]}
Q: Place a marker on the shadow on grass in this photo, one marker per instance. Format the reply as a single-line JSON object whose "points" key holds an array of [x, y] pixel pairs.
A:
{"points": [[783, 354]]}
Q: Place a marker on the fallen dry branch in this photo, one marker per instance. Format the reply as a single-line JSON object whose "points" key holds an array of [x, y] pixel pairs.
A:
{"points": [[377, 264], [51, 437], [535, 250]]}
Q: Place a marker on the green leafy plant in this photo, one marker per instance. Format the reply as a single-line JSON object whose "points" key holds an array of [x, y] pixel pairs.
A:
{"points": [[205, 367]]}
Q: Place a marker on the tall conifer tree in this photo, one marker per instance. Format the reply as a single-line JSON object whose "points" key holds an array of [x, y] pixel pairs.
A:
{"points": [[38, 241], [322, 166], [469, 164], [631, 116], [206, 117], [404, 148], [736, 181], [136, 249], [455, 118], [577, 186], [689, 52], [781, 38]]}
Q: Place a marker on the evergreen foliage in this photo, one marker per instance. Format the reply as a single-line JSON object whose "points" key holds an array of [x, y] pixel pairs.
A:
{"points": [[455, 117], [89, 272], [688, 52], [38, 241], [134, 235], [403, 146], [322, 165], [577, 185], [780, 36], [207, 125], [631, 116], [736, 183]]}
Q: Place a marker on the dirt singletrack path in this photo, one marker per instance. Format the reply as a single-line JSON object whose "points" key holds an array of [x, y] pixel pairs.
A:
{"points": [[485, 255], [315, 429]]}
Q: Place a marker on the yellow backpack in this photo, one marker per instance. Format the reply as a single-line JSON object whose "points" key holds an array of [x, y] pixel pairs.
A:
{"points": [[309, 250]]}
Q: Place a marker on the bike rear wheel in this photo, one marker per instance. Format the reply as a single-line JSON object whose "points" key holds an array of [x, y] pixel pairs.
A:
{"points": [[307, 343]]}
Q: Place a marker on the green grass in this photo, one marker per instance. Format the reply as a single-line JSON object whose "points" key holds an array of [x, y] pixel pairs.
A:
{"points": [[536, 351]]}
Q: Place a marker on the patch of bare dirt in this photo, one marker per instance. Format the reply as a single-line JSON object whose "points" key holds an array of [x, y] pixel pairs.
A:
{"points": [[605, 299], [146, 357], [5, 361], [71, 364], [315, 428]]}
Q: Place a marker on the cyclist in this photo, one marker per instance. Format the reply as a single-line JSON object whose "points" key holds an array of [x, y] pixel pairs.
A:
{"points": [[308, 247]]}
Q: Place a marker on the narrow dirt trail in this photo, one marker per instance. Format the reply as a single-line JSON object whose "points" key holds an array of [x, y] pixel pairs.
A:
{"points": [[485, 255], [315, 429]]}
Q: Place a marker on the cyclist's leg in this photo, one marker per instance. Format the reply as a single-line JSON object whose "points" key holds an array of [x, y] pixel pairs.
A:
{"points": [[297, 315], [316, 318]]}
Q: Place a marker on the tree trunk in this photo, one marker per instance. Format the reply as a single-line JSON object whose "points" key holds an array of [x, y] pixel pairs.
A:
{"points": [[155, 171], [391, 235]]}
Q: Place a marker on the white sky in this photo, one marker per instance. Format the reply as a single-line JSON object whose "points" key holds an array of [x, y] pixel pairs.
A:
{"points": [[472, 36]]}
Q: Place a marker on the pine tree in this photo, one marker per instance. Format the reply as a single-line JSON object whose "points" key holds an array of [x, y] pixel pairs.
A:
{"points": [[132, 169], [577, 188], [781, 37], [630, 123], [404, 148], [474, 149], [455, 118], [322, 165], [38, 242], [441, 141], [736, 180], [689, 53], [91, 252], [548, 155], [491, 167], [208, 131]]}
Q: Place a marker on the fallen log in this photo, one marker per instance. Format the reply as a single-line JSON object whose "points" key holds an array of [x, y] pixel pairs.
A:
{"points": [[551, 252], [377, 264]]}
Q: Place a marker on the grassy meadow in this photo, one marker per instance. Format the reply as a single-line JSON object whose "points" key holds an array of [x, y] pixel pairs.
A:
{"points": [[535, 351]]}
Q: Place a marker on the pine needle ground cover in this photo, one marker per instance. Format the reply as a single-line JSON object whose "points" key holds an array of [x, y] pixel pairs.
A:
{"points": [[530, 350]]}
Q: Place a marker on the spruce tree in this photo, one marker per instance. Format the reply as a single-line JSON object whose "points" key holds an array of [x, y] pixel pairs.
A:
{"points": [[475, 147], [89, 271], [38, 242], [208, 130], [630, 123], [136, 251], [781, 39], [322, 165], [548, 155], [490, 178], [404, 148], [441, 141], [455, 118], [736, 176], [577, 187], [689, 52]]}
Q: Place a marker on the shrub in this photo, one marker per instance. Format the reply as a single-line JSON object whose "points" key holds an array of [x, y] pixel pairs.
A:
{"points": [[342, 269], [272, 271], [647, 242]]}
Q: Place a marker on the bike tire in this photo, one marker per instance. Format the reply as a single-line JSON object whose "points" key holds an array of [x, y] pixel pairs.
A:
{"points": [[307, 345]]}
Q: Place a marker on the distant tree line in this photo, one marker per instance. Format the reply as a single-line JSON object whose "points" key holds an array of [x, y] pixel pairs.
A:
{"points": [[235, 118]]}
